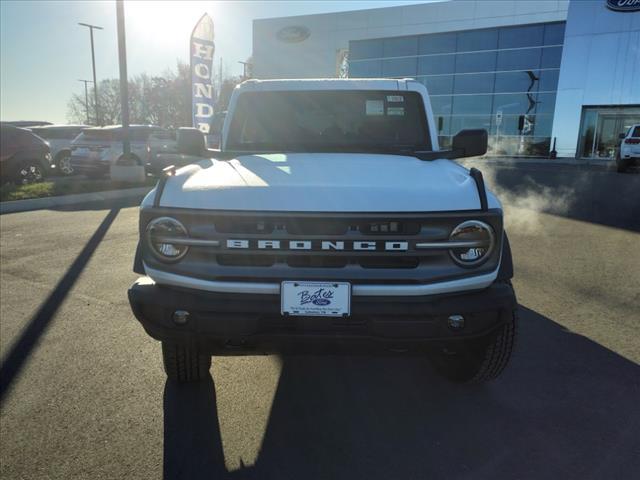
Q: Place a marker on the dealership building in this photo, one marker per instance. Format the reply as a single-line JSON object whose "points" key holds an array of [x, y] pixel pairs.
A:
{"points": [[529, 72]]}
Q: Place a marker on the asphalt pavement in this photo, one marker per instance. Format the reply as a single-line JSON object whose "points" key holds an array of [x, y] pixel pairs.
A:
{"points": [[83, 393]]}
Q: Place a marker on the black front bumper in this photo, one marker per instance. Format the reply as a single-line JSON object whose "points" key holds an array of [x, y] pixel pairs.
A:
{"points": [[239, 324]]}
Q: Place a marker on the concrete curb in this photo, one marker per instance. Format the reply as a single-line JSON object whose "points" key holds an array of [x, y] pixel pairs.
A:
{"points": [[50, 202]]}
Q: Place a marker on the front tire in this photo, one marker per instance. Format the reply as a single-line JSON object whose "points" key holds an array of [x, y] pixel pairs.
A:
{"points": [[29, 171], [479, 360], [621, 164], [63, 163], [184, 364]]}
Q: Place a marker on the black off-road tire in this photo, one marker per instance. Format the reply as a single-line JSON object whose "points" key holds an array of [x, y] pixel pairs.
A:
{"points": [[479, 360], [621, 164], [184, 364]]}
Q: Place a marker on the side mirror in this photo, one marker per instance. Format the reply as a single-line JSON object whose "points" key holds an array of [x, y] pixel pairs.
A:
{"points": [[622, 136], [469, 143], [191, 141]]}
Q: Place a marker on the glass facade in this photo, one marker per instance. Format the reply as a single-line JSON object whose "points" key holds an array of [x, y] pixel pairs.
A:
{"points": [[501, 79], [600, 129]]}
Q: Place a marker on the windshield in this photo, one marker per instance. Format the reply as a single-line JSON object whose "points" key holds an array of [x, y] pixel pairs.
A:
{"points": [[348, 120]]}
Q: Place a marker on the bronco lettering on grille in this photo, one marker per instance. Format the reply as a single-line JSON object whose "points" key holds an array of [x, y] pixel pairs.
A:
{"points": [[324, 245]]}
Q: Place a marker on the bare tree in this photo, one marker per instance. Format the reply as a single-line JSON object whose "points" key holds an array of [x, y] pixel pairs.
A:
{"points": [[163, 100], [109, 98]]}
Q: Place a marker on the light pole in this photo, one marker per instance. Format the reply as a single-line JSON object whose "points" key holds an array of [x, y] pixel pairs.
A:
{"points": [[124, 82], [86, 99], [93, 62]]}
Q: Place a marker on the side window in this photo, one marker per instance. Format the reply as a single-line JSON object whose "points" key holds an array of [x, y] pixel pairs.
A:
{"points": [[54, 134], [139, 135], [164, 135], [42, 133], [70, 134]]}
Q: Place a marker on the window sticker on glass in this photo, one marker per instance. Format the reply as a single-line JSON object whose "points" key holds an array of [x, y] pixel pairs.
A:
{"points": [[374, 107], [395, 111], [395, 98]]}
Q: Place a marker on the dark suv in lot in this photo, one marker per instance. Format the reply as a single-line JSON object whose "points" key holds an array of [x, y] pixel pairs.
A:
{"points": [[24, 156]]}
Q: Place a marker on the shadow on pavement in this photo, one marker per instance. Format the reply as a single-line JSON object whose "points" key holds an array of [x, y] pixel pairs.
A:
{"points": [[192, 442], [30, 336], [566, 408]]}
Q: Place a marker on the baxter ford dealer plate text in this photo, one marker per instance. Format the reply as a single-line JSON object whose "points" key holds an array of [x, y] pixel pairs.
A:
{"points": [[318, 299]]}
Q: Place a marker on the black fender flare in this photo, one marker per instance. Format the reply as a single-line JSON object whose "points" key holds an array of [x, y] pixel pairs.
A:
{"points": [[505, 272]]}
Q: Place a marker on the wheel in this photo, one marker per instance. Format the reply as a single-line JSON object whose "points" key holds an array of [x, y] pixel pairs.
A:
{"points": [[63, 163], [621, 165], [29, 171], [478, 360], [184, 364]]}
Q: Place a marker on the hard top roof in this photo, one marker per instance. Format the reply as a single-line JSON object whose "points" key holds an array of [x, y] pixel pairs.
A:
{"points": [[331, 84], [119, 127]]}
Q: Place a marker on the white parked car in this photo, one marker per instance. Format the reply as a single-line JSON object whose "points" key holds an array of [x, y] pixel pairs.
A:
{"points": [[59, 138], [629, 152], [330, 219], [96, 149]]}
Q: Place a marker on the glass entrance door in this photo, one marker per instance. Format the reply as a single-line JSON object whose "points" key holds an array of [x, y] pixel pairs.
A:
{"points": [[606, 140], [600, 129]]}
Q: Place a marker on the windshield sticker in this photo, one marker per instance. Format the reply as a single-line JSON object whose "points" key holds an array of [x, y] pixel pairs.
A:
{"points": [[395, 111], [374, 107], [395, 98]]}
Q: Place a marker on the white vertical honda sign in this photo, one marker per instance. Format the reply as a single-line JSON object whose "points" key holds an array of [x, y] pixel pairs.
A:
{"points": [[202, 49]]}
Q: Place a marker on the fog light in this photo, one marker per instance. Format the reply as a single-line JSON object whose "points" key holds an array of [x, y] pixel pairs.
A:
{"points": [[180, 317], [456, 322]]}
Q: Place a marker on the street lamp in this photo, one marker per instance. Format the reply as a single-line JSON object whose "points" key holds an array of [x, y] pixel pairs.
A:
{"points": [[86, 98], [93, 62], [124, 82]]}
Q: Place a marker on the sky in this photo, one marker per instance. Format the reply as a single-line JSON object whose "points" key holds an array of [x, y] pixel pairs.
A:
{"points": [[44, 52]]}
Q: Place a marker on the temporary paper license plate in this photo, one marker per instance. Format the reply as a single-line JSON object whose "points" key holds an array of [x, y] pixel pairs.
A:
{"points": [[316, 299]]}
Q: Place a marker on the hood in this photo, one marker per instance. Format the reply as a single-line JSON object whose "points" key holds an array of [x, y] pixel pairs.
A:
{"points": [[323, 182]]}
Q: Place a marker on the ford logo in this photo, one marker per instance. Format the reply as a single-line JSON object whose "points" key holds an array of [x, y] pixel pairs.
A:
{"points": [[321, 302], [293, 34], [624, 5]]}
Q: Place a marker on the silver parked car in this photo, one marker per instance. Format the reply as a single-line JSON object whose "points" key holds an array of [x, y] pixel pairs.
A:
{"points": [[59, 138], [96, 149]]}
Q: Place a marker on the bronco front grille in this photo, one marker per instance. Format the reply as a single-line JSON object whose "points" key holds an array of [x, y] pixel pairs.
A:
{"points": [[355, 247], [316, 242]]}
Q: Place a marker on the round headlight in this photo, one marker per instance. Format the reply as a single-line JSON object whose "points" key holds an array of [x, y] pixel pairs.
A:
{"points": [[474, 243], [163, 237]]}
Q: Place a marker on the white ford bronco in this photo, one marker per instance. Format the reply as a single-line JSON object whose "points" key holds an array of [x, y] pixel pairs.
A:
{"points": [[330, 220]]}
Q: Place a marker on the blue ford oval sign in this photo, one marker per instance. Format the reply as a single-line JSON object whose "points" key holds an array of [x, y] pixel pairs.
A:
{"points": [[293, 34], [624, 5]]}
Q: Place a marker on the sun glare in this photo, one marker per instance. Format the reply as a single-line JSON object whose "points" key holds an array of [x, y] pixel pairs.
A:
{"points": [[164, 22]]}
